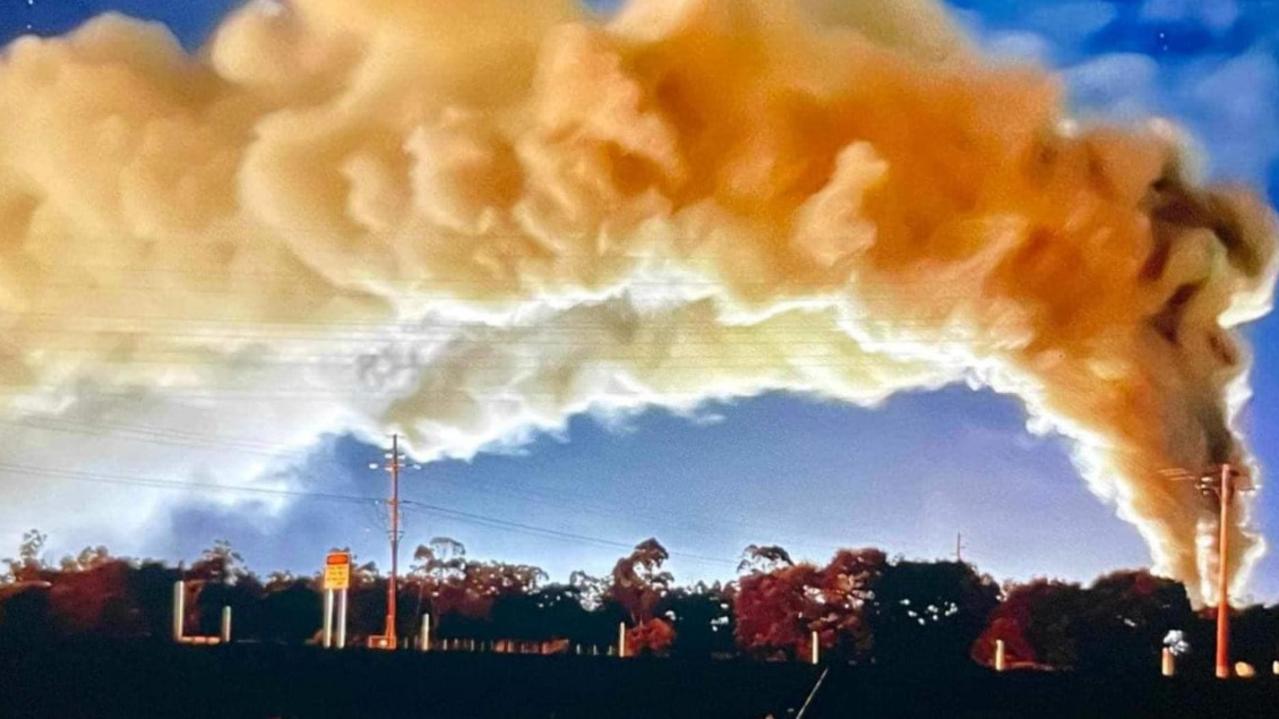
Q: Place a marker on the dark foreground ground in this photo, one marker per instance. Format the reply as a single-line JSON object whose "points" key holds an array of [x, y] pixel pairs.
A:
{"points": [[262, 681]]}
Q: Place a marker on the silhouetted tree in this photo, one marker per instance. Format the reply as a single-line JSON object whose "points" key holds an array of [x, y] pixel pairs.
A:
{"points": [[29, 564], [551, 612], [1125, 619], [290, 611], [639, 584], [88, 558], [151, 585], [863, 608], [25, 619], [762, 559], [219, 564], [590, 589], [1255, 635], [776, 611], [638, 581], [1039, 624], [930, 612], [702, 617], [1118, 624]]}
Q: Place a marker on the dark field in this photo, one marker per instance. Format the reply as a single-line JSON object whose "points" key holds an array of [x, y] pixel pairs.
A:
{"points": [[251, 681]]}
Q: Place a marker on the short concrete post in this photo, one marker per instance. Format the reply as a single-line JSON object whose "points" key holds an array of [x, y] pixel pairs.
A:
{"points": [[226, 625], [815, 650], [179, 609], [1000, 664], [424, 641], [1168, 663]]}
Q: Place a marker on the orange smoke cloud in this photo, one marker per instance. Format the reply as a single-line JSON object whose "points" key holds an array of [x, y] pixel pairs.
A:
{"points": [[471, 220]]}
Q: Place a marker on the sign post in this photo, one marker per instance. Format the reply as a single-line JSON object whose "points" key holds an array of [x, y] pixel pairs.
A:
{"points": [[337, 578], [328, 618], [341, 638]]}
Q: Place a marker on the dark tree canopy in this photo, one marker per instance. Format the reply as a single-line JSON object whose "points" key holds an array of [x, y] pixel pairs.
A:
{"points": [[930, 612], [861, 606]]}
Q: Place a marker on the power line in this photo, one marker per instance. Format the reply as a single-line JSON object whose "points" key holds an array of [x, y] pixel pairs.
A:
{"points": [[540, 496], [158, 483], [547, 532], [573, 502], [211, 442], [459, 515]]}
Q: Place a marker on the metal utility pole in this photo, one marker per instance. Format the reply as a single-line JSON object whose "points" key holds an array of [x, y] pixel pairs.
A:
{"points": [[959, 547]]}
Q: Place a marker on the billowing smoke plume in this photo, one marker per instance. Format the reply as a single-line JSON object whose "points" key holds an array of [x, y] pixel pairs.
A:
{"points": [[469, 220]]}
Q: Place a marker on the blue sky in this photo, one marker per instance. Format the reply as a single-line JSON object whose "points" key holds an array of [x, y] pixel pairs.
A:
{"points": [[804, 473]]}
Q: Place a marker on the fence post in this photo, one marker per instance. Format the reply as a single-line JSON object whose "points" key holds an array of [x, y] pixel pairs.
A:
{"points": [[179, 609], [226, 625]]}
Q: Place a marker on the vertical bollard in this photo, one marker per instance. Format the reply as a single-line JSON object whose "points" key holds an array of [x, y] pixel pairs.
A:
{"points": [[328, 618], [1168, 663], [621, 639], [816, 650], [179, 609], [999, 655], [425, 639], [341, 637], [226, 625]]}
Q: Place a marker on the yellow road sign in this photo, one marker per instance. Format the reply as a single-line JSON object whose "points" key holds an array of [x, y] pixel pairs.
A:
{"points": [[337, 570]]}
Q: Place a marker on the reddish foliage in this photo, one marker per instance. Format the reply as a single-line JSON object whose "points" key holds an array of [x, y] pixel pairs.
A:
{"points": [[639, 583], [652, 637], [94, 601], [777, 611]]}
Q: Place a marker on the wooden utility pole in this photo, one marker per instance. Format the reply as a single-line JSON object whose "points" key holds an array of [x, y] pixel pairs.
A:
{"points": [[1223, 587], [394, 468], [1225, 484], [388, 639]]}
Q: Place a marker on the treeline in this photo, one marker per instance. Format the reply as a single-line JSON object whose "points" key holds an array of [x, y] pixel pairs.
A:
{"points": [[863, 606]]}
